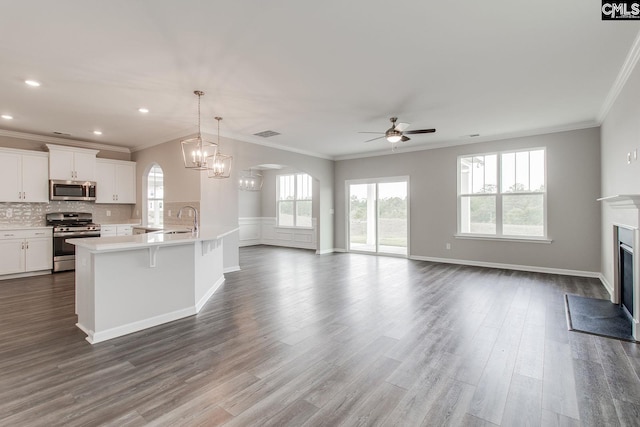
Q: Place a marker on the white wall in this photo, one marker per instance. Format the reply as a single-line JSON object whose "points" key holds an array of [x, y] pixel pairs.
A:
{"points": [[573, 178]]}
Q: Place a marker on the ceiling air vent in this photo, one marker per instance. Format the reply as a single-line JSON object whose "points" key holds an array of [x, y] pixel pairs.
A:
{"points": [[267, 133]]}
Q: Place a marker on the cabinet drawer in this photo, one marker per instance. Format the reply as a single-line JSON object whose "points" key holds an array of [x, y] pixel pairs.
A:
{"points": [[25, 233]]}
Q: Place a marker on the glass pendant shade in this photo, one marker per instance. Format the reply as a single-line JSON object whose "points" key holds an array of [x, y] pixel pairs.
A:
{"points": [[250, 181], [219, 166]]}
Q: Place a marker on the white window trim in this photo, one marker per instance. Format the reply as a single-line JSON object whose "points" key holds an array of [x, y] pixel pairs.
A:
{"points": [[295, 201], [499, 195]]}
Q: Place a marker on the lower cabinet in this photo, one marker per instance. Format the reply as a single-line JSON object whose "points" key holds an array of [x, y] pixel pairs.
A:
{"points": [[116, 230], [25, 250]]}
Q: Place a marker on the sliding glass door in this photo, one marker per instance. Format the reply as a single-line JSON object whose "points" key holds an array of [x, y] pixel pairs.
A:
{"points": [[378, 216]]}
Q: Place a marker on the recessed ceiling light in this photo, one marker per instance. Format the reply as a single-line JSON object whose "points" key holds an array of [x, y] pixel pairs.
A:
{"points": [[32, 83], [7, 117], [143, 110], [97, 132]]}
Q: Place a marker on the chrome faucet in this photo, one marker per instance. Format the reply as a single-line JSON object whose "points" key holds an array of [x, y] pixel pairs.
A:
{"points": [[195, 217]]}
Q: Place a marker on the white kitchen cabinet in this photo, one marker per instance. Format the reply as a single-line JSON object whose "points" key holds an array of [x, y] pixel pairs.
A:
{"points": [[115, 181], [24, 176], [116, 230], [72, 164], [25, 250]]}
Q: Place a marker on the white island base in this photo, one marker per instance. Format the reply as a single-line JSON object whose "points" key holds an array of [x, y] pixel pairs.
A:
{"points": [[130, 283]]}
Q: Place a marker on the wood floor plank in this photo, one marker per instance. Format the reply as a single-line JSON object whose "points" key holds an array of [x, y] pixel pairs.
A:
{"points": [[340, 339], [559, 387], [620, 375], [524, 402], [596, 404]]}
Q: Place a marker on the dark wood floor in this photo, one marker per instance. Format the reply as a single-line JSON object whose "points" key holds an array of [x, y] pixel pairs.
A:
{"points": [[298, 339]]}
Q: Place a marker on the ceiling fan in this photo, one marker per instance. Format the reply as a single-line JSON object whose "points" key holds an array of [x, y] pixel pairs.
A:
{"points": [[396, 133]]}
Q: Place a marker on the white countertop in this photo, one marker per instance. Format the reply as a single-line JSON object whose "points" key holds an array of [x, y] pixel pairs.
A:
{"points": [[120, 243]]}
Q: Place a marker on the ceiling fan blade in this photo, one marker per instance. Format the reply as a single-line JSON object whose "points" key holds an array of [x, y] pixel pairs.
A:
{"points": [[380, 137], [413, 132], [402, 126], [405, 138]]}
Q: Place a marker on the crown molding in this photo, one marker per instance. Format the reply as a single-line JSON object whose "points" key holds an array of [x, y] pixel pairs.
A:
{"points": [[627, 68], [468, 141], [63, 141]]}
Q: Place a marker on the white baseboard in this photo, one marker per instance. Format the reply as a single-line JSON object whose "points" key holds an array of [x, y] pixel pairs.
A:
{"points": [[209, 294], [326, 251], [231, 269], [96, 337], [533, 269], [606, 284], [27, 274]]}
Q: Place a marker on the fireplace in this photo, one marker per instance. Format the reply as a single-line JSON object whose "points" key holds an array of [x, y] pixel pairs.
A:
{"points": [[620, 268], [625, 268]]}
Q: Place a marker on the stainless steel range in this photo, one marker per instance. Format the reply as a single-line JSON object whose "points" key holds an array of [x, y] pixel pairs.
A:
{"points": [[69, 225]]}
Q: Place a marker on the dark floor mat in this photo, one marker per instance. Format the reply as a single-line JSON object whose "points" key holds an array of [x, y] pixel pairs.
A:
{"points": [[598, 317]]}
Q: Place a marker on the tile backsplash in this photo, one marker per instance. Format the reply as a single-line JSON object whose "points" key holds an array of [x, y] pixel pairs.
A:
{"points": [[33, 214], [172, 221]]}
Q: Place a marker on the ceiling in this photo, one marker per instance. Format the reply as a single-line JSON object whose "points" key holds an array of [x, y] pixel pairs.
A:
{"points": [[316, 72]]}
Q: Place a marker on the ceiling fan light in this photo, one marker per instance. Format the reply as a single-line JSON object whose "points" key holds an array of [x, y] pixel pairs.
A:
{"points": [[394, 138]]}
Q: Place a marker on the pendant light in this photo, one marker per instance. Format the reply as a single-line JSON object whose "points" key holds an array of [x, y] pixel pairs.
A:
{"points": [[196, 151], [219, 165], [250, 181]]}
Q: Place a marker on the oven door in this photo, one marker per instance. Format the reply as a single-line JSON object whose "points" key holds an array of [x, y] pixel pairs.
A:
{"points": [[64, 254]]}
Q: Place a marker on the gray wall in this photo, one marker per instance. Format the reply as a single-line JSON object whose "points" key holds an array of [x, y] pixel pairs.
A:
{"points": [[250, 204], [620, 134], [573, 179]]}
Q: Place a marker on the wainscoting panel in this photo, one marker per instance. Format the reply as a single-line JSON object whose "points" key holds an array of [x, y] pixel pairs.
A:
{"points": [[263, 231]]}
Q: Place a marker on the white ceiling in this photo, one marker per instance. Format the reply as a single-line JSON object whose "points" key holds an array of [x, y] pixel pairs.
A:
{"points": [[317, 72]]}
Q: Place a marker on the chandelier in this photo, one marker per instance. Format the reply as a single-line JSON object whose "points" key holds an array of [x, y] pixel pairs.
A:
{"points": [[218, 164], [250, 181], [196, 151]]}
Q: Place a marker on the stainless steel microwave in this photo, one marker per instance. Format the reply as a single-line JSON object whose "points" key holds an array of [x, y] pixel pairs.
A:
{"points": [[72, 190]]}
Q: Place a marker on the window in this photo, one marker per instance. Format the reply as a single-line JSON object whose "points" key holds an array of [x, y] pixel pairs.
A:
{"points": [[294, 200], [503, 194], [155, 195]]}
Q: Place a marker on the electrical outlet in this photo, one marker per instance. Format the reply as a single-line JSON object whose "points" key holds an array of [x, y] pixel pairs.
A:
{"points": [[635, 154], [169, 212], [448, 246], [108, 213], [137, 213], [629, 158], [190, 212]]}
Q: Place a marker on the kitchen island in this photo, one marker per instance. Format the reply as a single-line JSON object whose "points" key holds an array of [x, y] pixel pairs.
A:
{"points": [[126, 284]]}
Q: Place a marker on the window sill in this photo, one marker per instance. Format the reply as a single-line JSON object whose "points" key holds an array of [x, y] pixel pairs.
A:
{"points": [[504, 239], [290, 227]]}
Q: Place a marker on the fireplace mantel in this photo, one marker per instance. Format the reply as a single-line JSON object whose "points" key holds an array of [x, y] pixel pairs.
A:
{"points": [[622, 201]]}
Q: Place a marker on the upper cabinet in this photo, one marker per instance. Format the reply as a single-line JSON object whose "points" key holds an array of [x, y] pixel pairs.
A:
{"points": [[72, 164], [24, 175], [115, 181]]}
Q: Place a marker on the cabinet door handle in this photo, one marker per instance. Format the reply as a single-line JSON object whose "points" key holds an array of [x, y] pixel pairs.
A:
{"points": [[22, 245], [8, 235], [27, 245]]}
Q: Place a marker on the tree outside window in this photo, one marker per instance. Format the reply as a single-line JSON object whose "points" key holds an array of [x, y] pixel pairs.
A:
{"points": [[294, 200], [503, 194]]}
